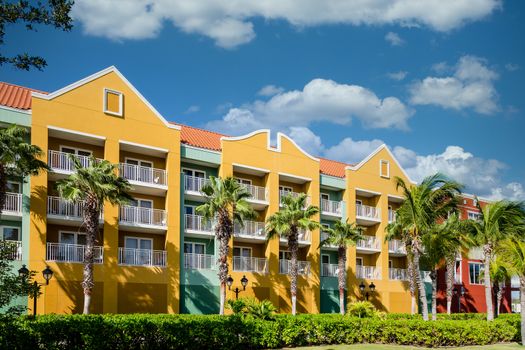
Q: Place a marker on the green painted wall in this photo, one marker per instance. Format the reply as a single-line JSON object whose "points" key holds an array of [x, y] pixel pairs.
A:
{"points": [[209, 243], [332, 181], [200, 155], [330, 295], [332, 254], [332, 195], [9, 116], [199, 299]]}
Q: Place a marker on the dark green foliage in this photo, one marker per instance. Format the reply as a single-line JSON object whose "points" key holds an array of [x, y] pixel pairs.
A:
{"points": [[231, 332]]}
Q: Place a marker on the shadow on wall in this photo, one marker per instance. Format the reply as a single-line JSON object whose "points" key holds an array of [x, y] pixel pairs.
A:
{"points": [[201, 298]]}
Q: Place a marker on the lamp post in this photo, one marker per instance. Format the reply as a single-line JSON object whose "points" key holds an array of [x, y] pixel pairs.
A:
{"points": [[244, 283], [47, 273], [461, 293], [371, 287]]}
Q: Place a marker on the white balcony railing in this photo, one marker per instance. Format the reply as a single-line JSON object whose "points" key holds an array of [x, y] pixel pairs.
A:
{"points": [[197, 223], [194, 184], [330, 270], [303, 267], [368, 272], [61, 161], [198, 261], [13, 203], [368, 212], [396, 246], [398, 274], [369, 242], [13, 249], [302, 236], [250, 264], [258, 193], [141, 257], [142, 216], [391, 215], [283, 194], [251, 228], [331, 207], [142, 174], [58, 206], [72, 253]]}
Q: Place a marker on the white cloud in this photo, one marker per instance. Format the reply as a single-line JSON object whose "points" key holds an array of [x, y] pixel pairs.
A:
{"points": [[441, 68], [270, 90], [512, 191], [192, 109], [397, 75], [394, 39], [471, 86], [319, 101], [512, 67], [230, 22], [306, 139], [352, 151]]}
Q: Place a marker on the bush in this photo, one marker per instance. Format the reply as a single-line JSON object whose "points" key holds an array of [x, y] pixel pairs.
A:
{"points": [[226, 332], [364, 309], [263, 310]]}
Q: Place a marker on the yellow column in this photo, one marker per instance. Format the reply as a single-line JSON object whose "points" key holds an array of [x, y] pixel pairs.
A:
{"points": [[272, 247], [314, 253], [383, 286], [351, 280], [173, 234]]}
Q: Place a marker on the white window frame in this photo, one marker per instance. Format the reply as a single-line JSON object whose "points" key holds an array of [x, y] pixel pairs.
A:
{"points": [[381, 162], [358, 258], [76, 150], [190, 206], [285, 188], [326, 195], [120, 102], [16, 183], [241, 179], [479, 275], [75, 233], [9, 226], [323, 255], [283, 251], [390, 263], [241, 247], [139, 239], [358, 202], [193, 244], [140, 161], [137, 199], [477, 214], [193, 171]]}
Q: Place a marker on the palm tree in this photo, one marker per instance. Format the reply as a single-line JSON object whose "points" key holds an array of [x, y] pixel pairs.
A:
{"points": [[17, 158], [498, 275], [342, 235], [286, 223], [92, 185], [226, 201], [423, 206], [498, 221]]}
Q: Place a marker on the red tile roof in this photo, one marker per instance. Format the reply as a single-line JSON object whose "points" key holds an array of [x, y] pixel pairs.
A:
{"points": [[332, 167], [15, 96], [200, 138]]}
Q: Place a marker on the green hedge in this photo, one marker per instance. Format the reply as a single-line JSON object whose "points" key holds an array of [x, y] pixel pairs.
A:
{"points": [[228, 332]]}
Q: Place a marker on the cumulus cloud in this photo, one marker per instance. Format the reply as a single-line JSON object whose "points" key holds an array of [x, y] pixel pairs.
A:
{"points": [[320, 100], [352, 151], [229, 23], [394, 39], [192, 109], [470, 87], [397, 75], [270, 90]]}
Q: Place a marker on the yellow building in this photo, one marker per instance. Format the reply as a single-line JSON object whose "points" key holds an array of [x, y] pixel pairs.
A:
{"points": [[156, 255]]}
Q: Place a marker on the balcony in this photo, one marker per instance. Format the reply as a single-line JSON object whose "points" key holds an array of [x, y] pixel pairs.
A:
{"points": [[196, 226], [391, 215], [12, 209], [368, 272], [13, 249], [61, 163], [283, 194], [252, 230], [193, 186], [324, 235], [329, 270], [396, 248], [259, 196], [367, 215], [304, 238], [60, 211], [199, 261], [142, 219], [145, 180], [250, 264], [331, 209], [368, 245], [72, 253], [396, 274], [303, 267], [141, 257]]}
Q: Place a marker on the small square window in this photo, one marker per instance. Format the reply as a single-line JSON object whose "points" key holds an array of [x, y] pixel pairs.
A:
{"points": [[384, 168], [113, 102]]}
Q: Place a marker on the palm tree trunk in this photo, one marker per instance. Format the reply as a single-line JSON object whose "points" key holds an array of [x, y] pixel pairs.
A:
{"points": [[341, 278], [433, 276], [499, 299], [294, 247], [451, 265], [487, 250], [3, 186], [419, 282], [91, 220], [522, 302], [223, 232], [412, 284]]}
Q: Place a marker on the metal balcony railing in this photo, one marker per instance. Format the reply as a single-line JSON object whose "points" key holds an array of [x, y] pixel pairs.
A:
{"points": [[368, 272], [329, 270], [74, 253], [331, 207], [391, 215], [142, 174], [194, 184], [258, 193], [369, 242], [302, 236], [398, 274], [368, 212], [197, 223], [13, 249], [13, 203], [303, 267], [198, 261], [396, 246], [250, 264], [141, 257], [283, 194], [58, 206], [251, 228], [142, 216], [62, 161]]}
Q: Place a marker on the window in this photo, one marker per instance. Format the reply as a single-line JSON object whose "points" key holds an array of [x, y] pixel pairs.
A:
{"points": [[474, 215], [189, 210], [325, 225], [138, 243], [359, 261], [10, 233], [245, 252], [75, 151], [475, 272], [325, 196], [76, 238], [457, 272], [474, 202], [390, 264], [325, 259], [13, 187], [194, 173], [384, 168], [194, 248], [285, 189], [243, 181], [113, 102], [358, 202], [284, 255], [464, 201]]}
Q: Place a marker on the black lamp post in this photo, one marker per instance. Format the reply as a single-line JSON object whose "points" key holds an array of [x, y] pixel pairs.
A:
{"points": [[461, 291], [47, 273], [244, 283], [371, 287]]}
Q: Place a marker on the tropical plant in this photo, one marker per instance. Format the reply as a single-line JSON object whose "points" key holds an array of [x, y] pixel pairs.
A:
{"points": [[423, 206], [226, 202], [237, 306], [498, 221], [342, 235], [498, 276], [362, 309], [92, 185], [263, 310], [18, 158], [287, 222]]}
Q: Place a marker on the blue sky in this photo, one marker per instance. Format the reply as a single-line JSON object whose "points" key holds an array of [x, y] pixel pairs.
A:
{"points": [[441, 84]]}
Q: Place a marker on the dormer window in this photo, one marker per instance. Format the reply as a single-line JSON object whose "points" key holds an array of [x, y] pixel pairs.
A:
{"points": [[384, 168], [113, 102]]}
